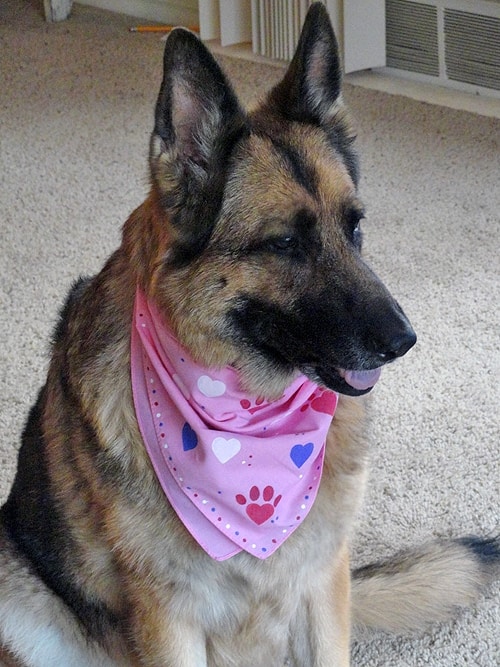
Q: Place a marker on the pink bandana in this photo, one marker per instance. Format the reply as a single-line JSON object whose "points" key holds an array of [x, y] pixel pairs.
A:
{"points": [[241, 473]]}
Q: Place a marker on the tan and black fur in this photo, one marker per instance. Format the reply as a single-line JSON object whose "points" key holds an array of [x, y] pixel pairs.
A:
{"points": [[250, 232]]}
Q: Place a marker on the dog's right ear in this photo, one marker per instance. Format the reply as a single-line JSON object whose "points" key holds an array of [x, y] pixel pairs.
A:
{"points": [[197, 121]]}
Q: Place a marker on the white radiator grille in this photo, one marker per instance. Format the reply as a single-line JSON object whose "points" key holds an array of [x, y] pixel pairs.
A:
{"points": [[276, 26], [472, 48], [456, 42], [412, 37]]}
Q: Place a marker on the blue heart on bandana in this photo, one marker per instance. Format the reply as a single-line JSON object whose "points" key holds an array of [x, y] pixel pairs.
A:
{"points": [[300, 453], [189, 438]]}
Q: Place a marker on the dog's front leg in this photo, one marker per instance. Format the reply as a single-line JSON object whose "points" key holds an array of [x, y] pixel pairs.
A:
{"points": [[330, 620], [321, 632], [163, 639]]}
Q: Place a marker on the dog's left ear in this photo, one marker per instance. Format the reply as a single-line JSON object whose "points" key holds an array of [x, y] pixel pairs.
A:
{"points": [[197, 121]]}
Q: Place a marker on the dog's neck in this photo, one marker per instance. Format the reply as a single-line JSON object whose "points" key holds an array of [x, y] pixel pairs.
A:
{"points": [[241, 472]]}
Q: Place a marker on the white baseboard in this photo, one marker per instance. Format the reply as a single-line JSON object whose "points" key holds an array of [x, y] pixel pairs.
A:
{"points": [[426, 92], [175, 12]]}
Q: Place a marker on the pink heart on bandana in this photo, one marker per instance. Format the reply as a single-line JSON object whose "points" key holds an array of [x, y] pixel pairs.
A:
{"points": [[326, 403], [260, 513]]}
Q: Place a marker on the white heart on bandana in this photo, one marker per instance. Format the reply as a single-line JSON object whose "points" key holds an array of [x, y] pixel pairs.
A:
{"points": [[211, 388], [224, 449]]}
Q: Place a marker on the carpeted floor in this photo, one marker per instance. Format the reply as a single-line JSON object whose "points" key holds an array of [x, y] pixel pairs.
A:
{"points": [[76, 104]]}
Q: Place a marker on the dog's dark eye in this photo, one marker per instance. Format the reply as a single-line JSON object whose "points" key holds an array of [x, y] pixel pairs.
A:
{"points": [[282, 244], [357, 233], [353, 226]]}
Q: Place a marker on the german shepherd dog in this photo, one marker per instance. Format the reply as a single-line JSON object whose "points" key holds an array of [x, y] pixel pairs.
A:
{"points": [[248, 248]]}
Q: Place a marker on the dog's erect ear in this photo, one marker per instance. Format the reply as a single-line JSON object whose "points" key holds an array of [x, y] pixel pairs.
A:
{"points": [[311, 86], [310, 91], [197, 122]]}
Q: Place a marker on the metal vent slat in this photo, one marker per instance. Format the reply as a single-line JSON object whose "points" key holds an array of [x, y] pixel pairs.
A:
{"points": [[412, 40], [472, 48]]}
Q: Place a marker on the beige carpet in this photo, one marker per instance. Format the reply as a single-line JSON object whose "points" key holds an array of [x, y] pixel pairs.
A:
{"points": [[76, 105]]}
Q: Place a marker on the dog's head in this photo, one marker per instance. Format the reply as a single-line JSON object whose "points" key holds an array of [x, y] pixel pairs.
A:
{"points": [[254, 252]]}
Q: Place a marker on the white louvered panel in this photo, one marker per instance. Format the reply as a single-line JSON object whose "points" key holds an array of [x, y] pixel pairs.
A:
{"points": [[280, 28], [279, 24], [472, 48], [412, 37], [303, 7], [255, 27], [292, 33], [273, 27], [453, 42], [265, 14], [283, 26]]}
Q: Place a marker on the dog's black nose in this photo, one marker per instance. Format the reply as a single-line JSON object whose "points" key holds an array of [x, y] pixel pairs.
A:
{"points": [[396, 343], [400, 345]]}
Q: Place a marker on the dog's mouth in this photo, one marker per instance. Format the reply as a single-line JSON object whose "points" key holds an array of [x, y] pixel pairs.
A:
{"points": [[345, 356], [349, 382], [361, 380]]}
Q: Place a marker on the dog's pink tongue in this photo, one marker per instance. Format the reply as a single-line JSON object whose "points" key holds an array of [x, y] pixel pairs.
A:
{"points": [[362, 379]]}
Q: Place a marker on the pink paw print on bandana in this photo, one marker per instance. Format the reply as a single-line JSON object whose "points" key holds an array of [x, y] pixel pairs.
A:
{"points": [[325, 402], [259, 513], [247, 405]]}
